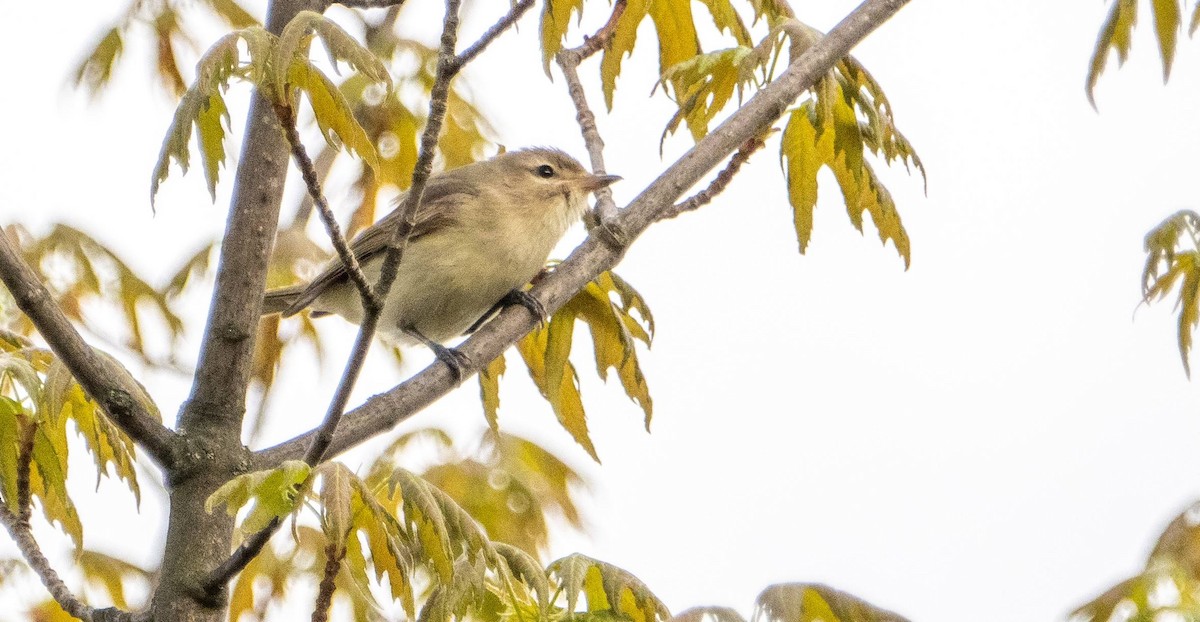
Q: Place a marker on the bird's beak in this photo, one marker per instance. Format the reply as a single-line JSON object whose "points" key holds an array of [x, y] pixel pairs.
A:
{"points": [[592, 183]]}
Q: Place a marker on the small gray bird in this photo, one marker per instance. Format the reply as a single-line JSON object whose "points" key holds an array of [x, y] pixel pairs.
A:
{"points": [[481, 233]]}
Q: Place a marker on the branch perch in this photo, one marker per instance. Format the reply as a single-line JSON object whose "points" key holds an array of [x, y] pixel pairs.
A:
{"points": [[656, 202]]}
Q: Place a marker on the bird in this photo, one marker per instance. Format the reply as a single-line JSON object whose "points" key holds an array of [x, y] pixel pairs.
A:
{"points": [[480, 234]]}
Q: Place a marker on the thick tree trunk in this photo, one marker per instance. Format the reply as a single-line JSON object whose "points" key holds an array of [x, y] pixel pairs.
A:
{"points": [[211, 419]]}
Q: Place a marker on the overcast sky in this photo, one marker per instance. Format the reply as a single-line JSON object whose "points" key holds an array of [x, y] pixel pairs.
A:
{"points": [[992, 435]]}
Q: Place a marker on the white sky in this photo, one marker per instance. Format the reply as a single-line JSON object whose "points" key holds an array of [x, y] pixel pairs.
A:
{"points": [[991, 435]]}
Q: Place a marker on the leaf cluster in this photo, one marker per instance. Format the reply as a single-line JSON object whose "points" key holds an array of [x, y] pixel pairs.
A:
{"points": [[847, 116], [1116, 35], [1173, 258], [38, 398], [395, 531]]}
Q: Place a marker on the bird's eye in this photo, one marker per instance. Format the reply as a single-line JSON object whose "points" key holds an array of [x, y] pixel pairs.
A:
{"points": [[545, 171]]}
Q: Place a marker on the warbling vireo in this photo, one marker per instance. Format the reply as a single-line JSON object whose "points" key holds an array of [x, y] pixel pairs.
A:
{"points": [[481, 233]]}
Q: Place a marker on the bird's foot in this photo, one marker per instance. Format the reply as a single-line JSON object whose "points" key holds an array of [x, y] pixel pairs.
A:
{"points": [[525, 299], [455, 360]]}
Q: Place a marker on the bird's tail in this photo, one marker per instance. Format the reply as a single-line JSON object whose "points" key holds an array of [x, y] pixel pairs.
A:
{"points": [[281, 299]]}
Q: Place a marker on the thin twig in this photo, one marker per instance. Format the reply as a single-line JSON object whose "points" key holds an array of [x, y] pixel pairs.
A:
{"points": [[596, 42], [108, 384], [499, 27], [287, 119], [319, 440], [446, 68], [719, 183], [333, 563], [382, 412], [24, 465], [568, 62], [22, 535]]}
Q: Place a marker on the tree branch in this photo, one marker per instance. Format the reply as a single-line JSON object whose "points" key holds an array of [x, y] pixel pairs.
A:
{"points": [[319, 440], [384, 411], [568, 62], [720, 182], [22, 535], [106, 383], [499, 27], [287, 119]]}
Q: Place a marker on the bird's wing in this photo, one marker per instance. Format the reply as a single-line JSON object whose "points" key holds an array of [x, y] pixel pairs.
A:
{"points": [[439, 209]]}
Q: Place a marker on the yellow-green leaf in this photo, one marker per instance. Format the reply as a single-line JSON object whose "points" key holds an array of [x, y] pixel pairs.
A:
{"points": [[275, 494], [621, 45], [1115, 34], [1167, 16], [556, 18], [489, 391], [332, 111]]}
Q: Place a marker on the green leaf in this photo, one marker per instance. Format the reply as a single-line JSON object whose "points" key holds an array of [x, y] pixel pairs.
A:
{"points": [[203, 105], [677, 39], [350, 510], [48, 480], [275, 493], [107, 443]]}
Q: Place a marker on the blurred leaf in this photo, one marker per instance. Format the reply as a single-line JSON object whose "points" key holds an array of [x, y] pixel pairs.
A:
{"points": [[94, 73], [1167, 265], [110, 574], [166, 29], [813, 602], [77, 269], [708, 614], [232, 13], [275, 493]]}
